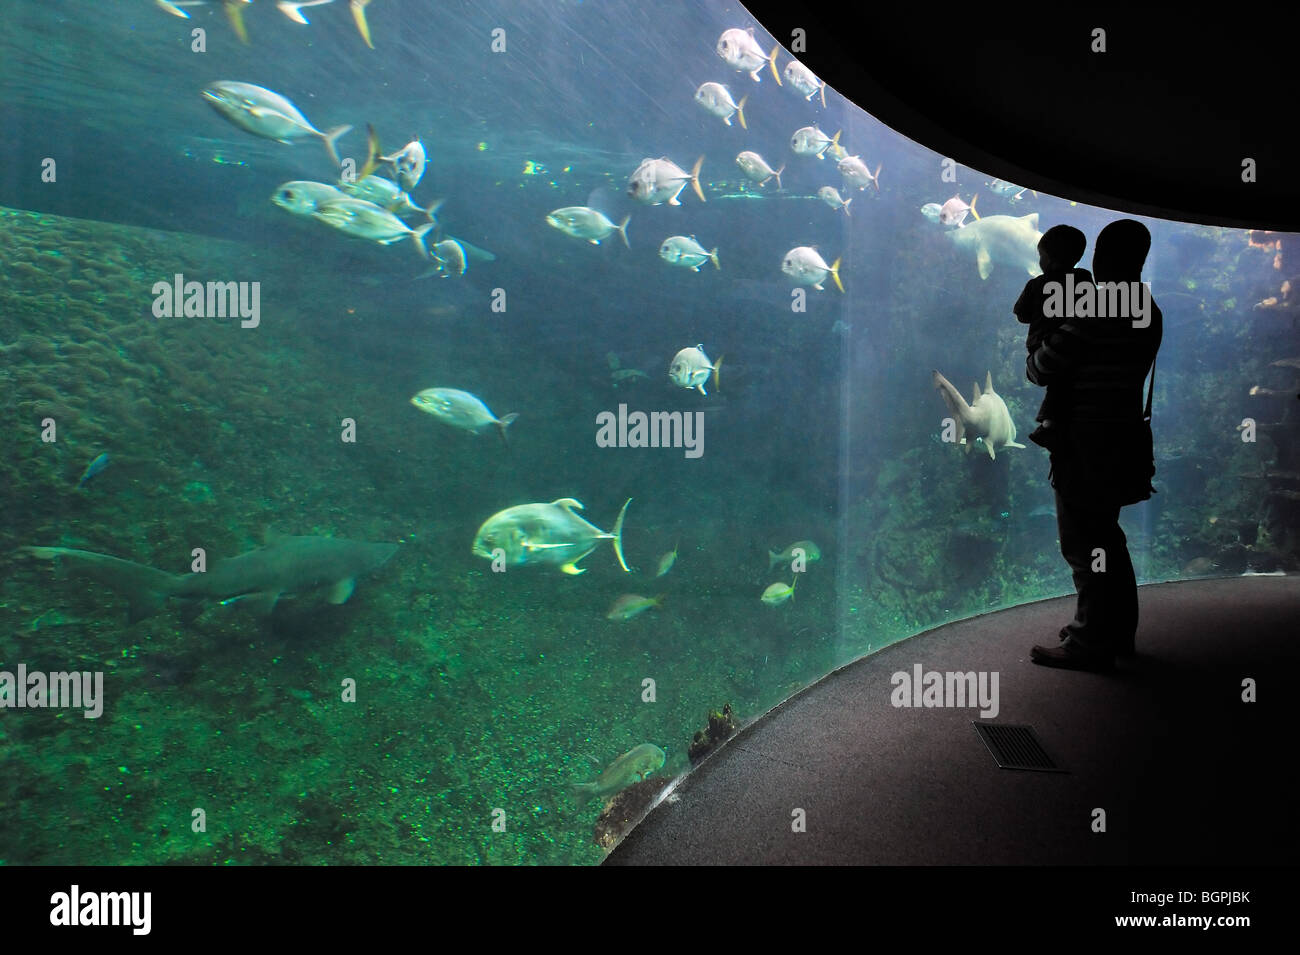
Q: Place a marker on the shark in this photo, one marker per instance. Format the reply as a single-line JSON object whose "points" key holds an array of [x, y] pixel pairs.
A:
{"points": [[257, 580], [986, 418], [1008, 240]]}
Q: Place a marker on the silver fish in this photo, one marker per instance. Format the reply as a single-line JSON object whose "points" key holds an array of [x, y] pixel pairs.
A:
{"points": [[740, 51], [856, 173], [461, 410], [365, 220], [546, 534], [1000, 187], [302, 197], [584, 222], [387, 194], [756, 168], [953, 212], [450, 256], [831, 196], [409, 163], [691, 368], [685, 251], [716, 99], [661, 180], [804, 82], [267, 114], [811, 141], [805, 266]]}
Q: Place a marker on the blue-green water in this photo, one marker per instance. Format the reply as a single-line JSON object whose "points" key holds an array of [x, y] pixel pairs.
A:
{"points": [[480, 696]]}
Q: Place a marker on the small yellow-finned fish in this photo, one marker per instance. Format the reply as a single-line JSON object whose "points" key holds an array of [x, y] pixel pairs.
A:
{"points": [[806, 551], [630, 605], [666, 562], [778, 593], [632, 767]]}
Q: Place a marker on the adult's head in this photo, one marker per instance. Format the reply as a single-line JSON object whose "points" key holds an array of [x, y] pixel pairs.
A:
{"points": [[1121, 251]]}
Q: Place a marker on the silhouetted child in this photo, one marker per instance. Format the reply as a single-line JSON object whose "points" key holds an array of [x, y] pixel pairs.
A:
{"points": [[1058, 250]]}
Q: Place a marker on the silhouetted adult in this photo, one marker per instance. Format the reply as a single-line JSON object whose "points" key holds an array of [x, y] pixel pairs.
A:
{"points": [[1094, 369]]}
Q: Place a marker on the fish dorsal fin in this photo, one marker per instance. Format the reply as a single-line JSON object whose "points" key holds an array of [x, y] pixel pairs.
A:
{"points": [[600, 199], [988, 382], [976, 386], [1032, 219], [568, 502], [272, 535]]}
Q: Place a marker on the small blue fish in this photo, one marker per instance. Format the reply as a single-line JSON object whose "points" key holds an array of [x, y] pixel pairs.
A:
{"points": [[93, 468]]}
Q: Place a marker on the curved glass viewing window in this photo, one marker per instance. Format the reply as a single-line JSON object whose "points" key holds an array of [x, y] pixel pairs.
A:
{"points": [[457, 696]]}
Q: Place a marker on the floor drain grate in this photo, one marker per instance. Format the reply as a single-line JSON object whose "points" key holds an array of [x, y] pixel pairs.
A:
{"points": [[1015, 746]]}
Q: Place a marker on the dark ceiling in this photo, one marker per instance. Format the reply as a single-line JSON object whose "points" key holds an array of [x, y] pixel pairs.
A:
{"points": [[1159, 124]]}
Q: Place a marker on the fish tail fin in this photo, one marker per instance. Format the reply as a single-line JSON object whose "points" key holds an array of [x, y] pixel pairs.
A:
{"points": [[773, 558], [145, 588], [695, 178], [432, 211], [713, 257], [717, 367], [845, 207], [957, 406], [618, 536], [504, 423], [582, 792], [771, 61], [779, 187], [418, 235], [374, 154], [875, 179], [740, 111], [823, 92], [835, 274], [291, 11], [972, 205], [622, 229], [235, 14], [359, 17], [331, 138]]}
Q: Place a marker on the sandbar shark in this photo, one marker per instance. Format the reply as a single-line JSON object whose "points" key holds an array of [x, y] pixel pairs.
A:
{"points": [[283, 566], [1009, 240], [985, 418]]}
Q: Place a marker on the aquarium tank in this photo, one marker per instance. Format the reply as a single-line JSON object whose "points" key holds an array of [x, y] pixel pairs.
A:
{"points": [[422, 432]]}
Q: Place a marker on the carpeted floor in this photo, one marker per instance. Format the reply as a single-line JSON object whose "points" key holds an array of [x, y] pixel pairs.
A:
{"points": [[1164, 752]]}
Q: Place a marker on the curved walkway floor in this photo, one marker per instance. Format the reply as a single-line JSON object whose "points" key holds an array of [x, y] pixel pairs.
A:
{"points": [[1186, 772]]}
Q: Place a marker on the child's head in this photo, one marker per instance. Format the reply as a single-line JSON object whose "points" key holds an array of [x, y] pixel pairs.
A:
{"points": [[1060, 248]]}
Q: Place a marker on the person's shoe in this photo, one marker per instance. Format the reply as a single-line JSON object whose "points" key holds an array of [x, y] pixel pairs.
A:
{"points": [[1071, 655]]}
